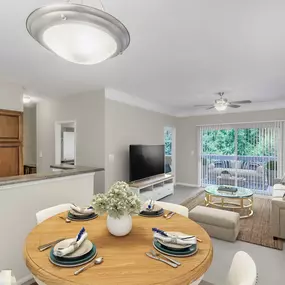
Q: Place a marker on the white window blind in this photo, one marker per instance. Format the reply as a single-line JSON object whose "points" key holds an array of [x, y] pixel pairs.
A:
{"points": [[247, 155]]}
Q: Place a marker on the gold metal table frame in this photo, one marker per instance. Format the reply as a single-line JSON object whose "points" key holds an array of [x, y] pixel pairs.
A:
{"points": [[242, 204]]}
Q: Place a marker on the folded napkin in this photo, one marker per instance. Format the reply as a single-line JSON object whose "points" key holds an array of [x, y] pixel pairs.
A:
{"points": [[154, 207], [87, 211], [80, 238], [175, 239]]}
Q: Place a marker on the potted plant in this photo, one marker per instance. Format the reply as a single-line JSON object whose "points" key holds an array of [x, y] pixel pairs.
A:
{"points": [[120, 203], [271, 167]]}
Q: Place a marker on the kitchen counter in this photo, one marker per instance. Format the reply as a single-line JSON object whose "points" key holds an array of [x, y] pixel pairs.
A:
{"points": [[62, 170]]}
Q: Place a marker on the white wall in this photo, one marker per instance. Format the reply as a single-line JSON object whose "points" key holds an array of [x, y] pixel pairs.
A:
{"points": [[127, 125], [30, 135], [187, 140], [88, 110], [11, 97]]}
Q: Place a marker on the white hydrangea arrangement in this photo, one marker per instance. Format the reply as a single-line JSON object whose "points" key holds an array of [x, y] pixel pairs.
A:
{"points": [[117, 202]]}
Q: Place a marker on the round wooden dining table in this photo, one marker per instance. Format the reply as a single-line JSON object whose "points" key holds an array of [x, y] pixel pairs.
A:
{"points": [[125, 261]]}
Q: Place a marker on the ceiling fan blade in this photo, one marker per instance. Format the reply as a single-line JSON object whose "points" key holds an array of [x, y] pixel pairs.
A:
{"points": [[233, 106], [241, 102], [202, 105], [212, 107]]}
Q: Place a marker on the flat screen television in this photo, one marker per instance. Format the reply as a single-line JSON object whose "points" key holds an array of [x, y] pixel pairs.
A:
{"points": [[146, 161]]}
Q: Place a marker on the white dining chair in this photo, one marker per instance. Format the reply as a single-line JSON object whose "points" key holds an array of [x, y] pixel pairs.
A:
{"points": [[242, 272], [52, 211], [44, 215], [181, 210]]}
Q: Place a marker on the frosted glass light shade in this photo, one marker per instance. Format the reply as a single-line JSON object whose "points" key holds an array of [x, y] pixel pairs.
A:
{"points": [[78, 33], [26, 99], [79, 43], [221, 107]]}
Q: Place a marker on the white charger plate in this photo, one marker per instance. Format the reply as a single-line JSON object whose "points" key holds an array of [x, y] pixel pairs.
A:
{"points": [[175, 246], [85, 247]]}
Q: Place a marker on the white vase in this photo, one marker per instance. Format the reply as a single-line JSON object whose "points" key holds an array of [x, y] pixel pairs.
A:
{"points": [[119, 227]]}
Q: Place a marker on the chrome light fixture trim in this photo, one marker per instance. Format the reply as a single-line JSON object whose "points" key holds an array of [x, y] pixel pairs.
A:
{"points": [[47, 17]]}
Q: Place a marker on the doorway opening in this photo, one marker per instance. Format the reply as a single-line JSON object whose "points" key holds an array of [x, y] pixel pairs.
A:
{"points": [[169, 149], [65, 142]]}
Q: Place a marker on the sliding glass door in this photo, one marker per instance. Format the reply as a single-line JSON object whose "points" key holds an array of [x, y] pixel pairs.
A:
{"points": [[247, 155]]}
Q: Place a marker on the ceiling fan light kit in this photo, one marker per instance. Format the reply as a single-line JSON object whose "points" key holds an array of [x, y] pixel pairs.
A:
{"points": [[222, 103], [221, 106], [78, 33]]}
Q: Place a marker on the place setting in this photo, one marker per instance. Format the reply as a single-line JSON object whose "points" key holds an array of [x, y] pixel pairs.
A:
{"points": [[77, 213], [73, 252], [175, 244], [150, 209]]}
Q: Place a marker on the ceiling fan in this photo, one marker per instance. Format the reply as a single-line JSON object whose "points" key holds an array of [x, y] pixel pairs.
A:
{"points": [[222, 103]]}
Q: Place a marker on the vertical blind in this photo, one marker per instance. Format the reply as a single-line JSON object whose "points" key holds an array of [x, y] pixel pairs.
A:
{"points": [[248, 155]]}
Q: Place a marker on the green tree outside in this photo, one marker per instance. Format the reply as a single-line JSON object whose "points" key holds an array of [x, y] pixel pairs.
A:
{"points": [[250, 142]]}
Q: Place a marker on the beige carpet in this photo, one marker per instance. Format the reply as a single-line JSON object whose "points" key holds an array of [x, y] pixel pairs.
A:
{"points": [[255, 229]]}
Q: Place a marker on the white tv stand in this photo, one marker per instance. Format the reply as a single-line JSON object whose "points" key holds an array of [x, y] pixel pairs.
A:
{"points": [[155, 187]]}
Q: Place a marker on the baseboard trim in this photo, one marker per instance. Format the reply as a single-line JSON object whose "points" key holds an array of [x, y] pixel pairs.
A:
{"points": [[187, 184], [27, 280]]}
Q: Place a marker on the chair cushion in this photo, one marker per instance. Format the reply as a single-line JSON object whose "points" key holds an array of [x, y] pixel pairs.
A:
{"points": [[216, 217], [279, 187]]}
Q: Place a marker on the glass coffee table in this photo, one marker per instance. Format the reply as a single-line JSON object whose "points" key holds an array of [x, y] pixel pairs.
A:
{"points": [[240, 201]]}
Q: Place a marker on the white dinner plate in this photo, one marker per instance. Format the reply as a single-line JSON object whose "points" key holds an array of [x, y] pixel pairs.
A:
{"points": [[85, 247]]}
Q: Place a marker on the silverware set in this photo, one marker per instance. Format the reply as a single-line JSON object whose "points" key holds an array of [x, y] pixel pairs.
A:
{"points": [[169, 215], [50, 244], [162, 258]]}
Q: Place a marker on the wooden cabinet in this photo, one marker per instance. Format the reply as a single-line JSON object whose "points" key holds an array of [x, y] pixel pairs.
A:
{"points": [[11, 143]]}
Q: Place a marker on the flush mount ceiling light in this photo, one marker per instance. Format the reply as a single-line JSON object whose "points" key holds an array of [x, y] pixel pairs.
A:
{"points": [[26, 99], [78, 33]]}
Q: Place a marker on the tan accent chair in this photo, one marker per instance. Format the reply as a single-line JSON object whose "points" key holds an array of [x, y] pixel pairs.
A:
{"points": [[278, 212]]}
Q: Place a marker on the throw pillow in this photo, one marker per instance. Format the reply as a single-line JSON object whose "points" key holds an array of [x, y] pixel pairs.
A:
{"points": [[235, 164], [260, 169], [232, 163], [253, 165], [226, 164], [239, 164], [245, 165], [218, 164]]}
